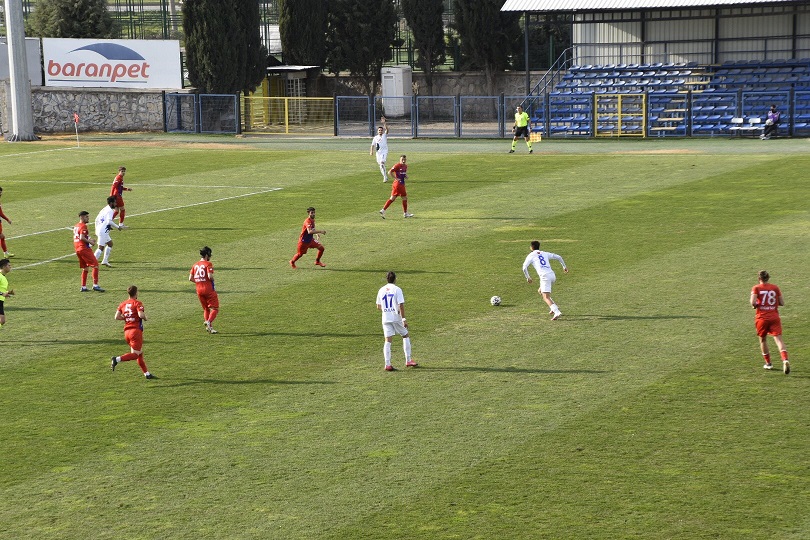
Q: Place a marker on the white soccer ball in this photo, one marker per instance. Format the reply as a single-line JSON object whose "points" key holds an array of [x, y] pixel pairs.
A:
{"points": [[495, 300]]}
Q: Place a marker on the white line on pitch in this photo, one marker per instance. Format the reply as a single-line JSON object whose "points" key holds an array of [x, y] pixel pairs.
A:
{"points": [[40, 151], [136, 215], [195, 186]]}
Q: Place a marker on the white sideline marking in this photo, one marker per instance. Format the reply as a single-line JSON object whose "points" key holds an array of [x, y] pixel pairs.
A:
{"points": [[135, 215], [40, 151], [195, 186]]}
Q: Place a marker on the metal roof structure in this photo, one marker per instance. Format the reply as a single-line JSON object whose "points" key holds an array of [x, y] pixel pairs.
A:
{"points": [[625, 5]]}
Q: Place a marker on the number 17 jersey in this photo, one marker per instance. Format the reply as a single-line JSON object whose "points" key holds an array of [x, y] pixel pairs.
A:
{"points": [[389, 298]]}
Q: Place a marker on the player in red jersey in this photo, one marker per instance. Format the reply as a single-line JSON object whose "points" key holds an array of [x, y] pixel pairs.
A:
{"points": [[117, 190], [82, 243], [766, 299], [400, 174], [6, 254], [202, 274], [309, 240], [133, 314]]}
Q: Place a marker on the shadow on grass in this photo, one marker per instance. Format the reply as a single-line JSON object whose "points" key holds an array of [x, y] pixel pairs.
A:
{"points": [[513, 370], [627, 317], [59, 342], [15, 308], [226, 334], [194, 382], [385, 271]]}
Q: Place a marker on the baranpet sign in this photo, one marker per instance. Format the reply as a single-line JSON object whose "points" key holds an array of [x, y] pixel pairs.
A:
{"points": [[112, 63]]}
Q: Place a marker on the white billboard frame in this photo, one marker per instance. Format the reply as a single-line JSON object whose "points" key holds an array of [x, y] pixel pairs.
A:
{"points": [[112, 63]]}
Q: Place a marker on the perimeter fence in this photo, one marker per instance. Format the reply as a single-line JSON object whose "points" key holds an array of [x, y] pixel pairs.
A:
{"points": [[587, 114]]}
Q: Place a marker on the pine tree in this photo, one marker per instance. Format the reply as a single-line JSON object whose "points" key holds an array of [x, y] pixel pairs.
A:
{"points": [[71, 19], [360, 36], [425, 21], [302, 24]]}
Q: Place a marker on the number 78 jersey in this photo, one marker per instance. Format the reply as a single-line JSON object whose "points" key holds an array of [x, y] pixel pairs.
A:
{"points": [[389, 298], [767, 296]]}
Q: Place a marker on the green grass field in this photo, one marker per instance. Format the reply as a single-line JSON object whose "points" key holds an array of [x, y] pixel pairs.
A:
{"points": [[643, 413]]}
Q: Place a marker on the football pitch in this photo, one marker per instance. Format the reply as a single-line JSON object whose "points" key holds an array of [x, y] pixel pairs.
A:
{"points": [[644, 412]]}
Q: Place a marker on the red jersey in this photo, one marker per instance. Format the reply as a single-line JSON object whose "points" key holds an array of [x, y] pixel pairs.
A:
{"points": [[202, 274], [117, 189], [767, 296], [2, 215], [400, 171], [129, 309], [306, 237], [80, 231]]}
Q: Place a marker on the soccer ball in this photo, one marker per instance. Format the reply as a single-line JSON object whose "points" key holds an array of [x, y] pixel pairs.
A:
{"points": [[495, 300]]}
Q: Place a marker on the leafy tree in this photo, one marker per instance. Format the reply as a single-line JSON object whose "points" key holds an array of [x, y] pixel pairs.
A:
{"points": [[425, 21], [360, 36], [487, 36], [223, 51], [302, 24], [71, 19]]}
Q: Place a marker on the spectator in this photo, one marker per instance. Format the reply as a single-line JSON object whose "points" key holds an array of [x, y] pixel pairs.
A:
{"points": [[771, 123]]}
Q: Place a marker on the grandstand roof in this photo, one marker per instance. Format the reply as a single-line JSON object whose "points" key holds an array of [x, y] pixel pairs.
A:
{"points": [[624, 5]]}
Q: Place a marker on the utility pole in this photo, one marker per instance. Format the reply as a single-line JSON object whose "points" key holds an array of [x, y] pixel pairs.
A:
{"points": [[22, 114]]}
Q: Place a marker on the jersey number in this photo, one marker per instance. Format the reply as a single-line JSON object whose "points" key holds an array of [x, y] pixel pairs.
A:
{"points": [[199, 272], [542, 260], [388, 300], [767, 298]]}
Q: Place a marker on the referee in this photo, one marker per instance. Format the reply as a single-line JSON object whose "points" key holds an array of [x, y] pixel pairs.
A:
{"points": [[521, 128]]}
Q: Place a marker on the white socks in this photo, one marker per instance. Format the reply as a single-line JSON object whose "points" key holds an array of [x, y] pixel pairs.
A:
{"points": [[383, 171], [387, 353], [107, 251], [98, 253], [406, 345], [555, 309]]}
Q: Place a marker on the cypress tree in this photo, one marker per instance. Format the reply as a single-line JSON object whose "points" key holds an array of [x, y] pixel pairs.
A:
{"points": [[360, 36], [487, 36], [223, 51], [302, 24], [425, 21], [71, 19]]}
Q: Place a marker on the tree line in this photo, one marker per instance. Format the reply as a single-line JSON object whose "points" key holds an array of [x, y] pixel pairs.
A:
{"points": [[223, 46]]}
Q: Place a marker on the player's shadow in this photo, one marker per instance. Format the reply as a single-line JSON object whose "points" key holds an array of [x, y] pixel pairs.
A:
{"points": [[268, 382], [514, 370], [58, 342], [385, 271], [628, 317], [140, 228], [293, 334], [29, 308]]}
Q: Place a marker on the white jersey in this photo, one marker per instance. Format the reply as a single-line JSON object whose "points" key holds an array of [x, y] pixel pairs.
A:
{"points": [[389, 298], [541, 260], [380, 143], [104, 220]]}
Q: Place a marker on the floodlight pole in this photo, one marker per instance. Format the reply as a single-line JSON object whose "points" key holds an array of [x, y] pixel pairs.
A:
{"points": [[22, 114]]}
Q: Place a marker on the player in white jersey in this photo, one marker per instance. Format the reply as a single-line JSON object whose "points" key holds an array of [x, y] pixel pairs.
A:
{"points": [[541, 260], [104, 222], [380, 144], [392, 304]]}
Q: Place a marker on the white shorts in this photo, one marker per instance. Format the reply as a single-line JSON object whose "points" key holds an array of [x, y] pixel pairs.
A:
{"points": [[381, 157], [546, 281], [103, 238], [390, 329]]}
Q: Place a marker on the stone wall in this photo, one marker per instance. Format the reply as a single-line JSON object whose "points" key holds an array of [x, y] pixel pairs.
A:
{"points": [[99, 109]]}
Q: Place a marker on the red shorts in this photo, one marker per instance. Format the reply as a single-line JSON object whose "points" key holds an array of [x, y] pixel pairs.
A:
{"points": [[303, 247], [398, 189], [87, 259], [771, 327], [209, 300], [119, 201], [134, 337]]}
